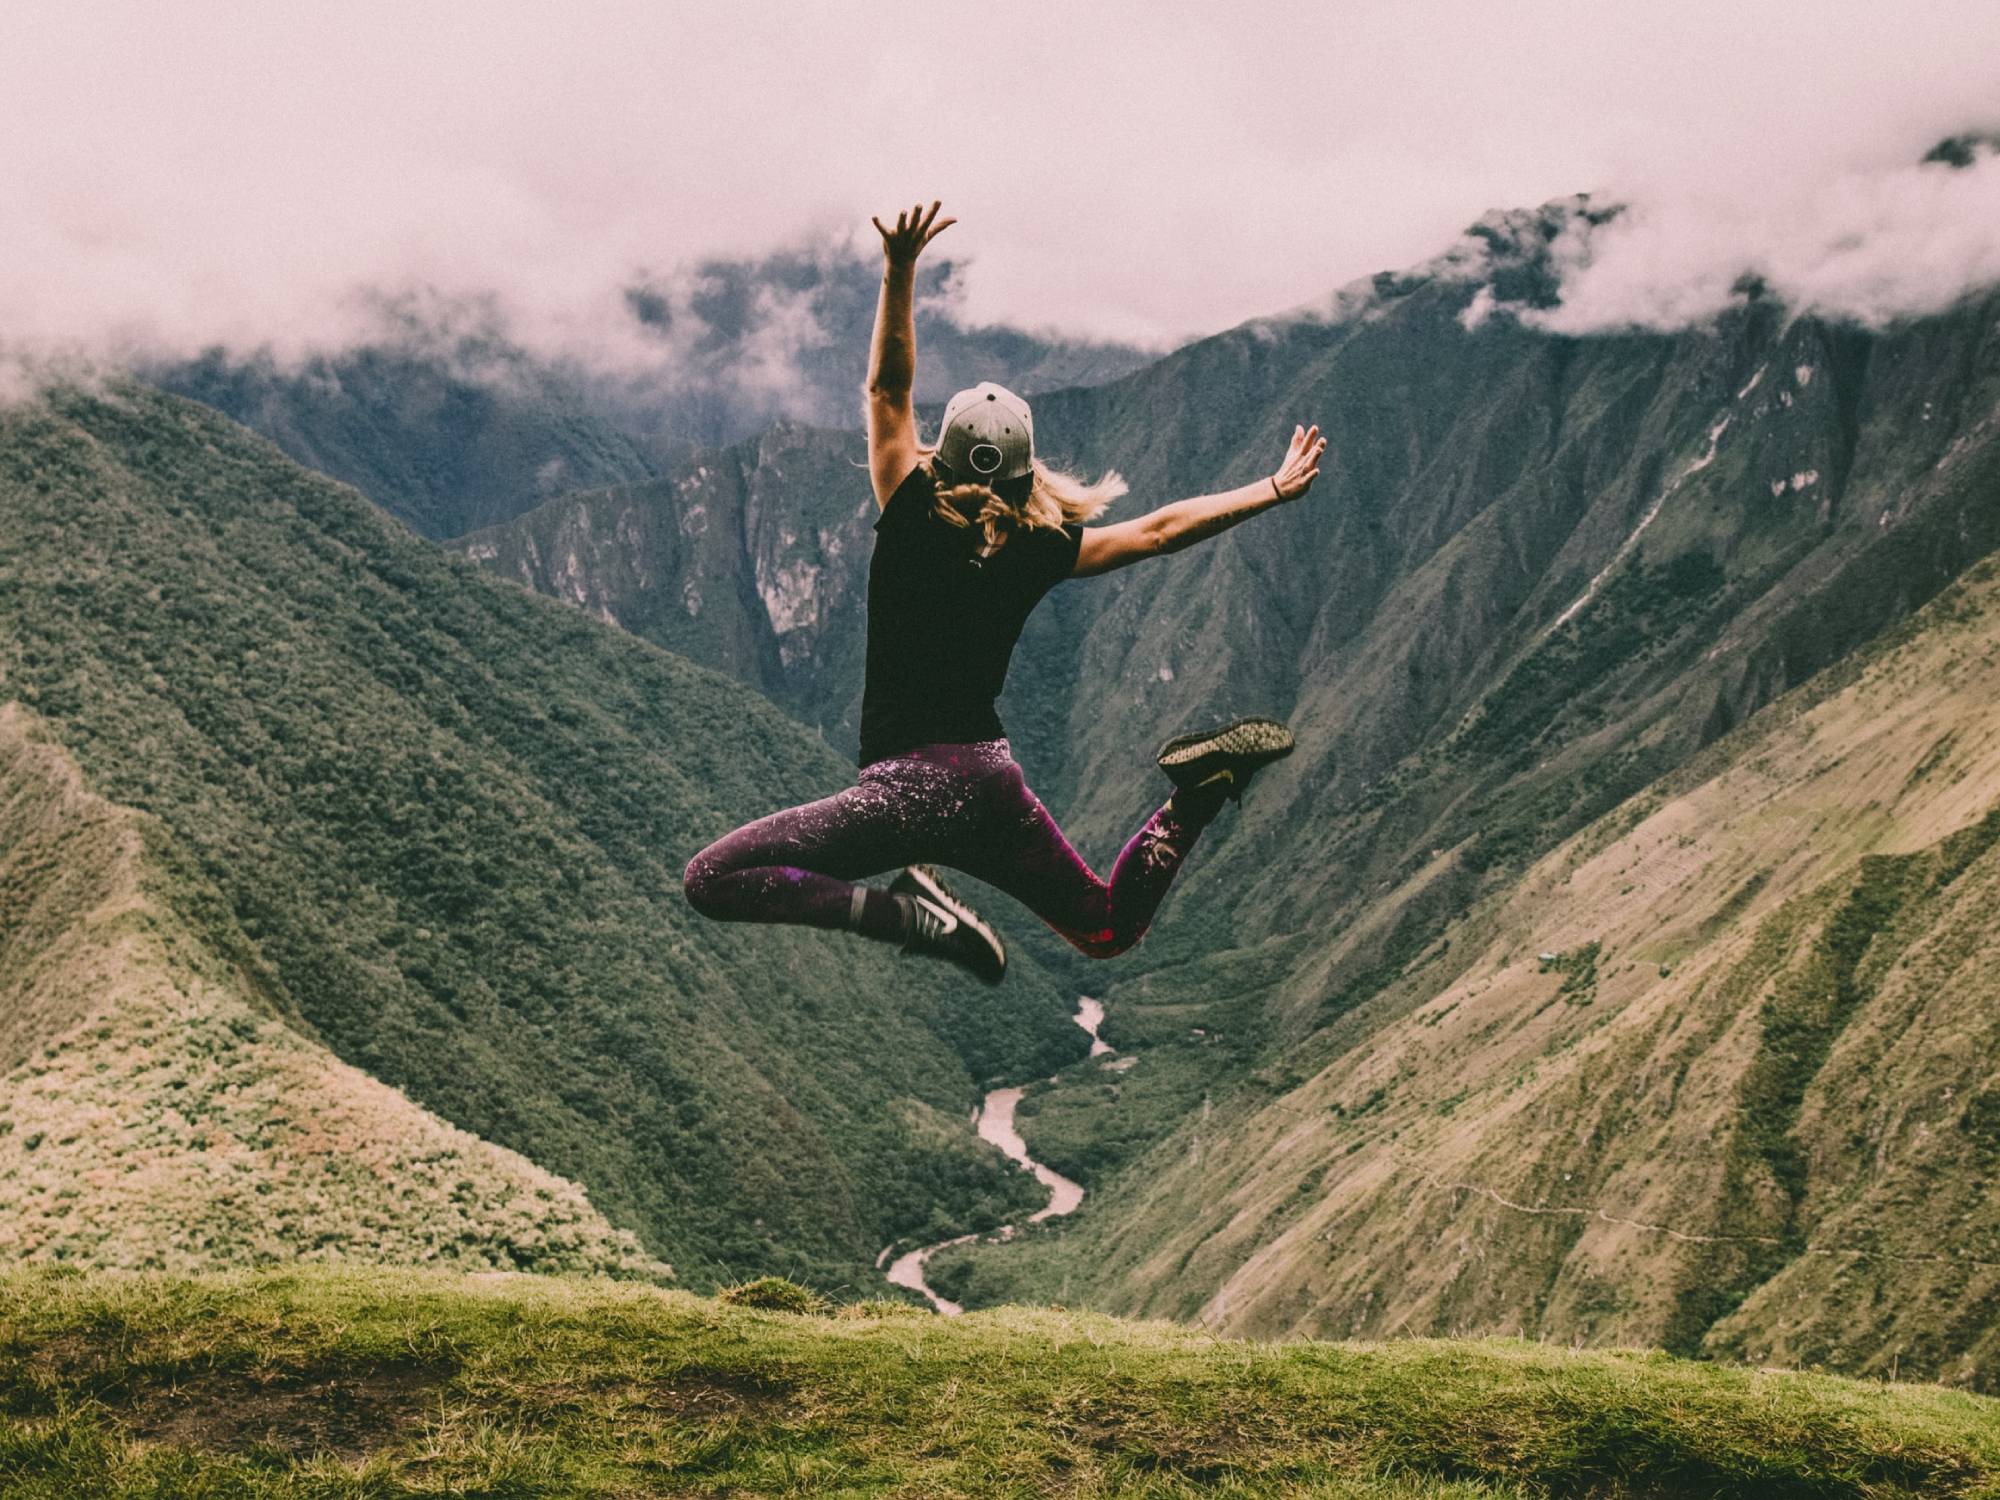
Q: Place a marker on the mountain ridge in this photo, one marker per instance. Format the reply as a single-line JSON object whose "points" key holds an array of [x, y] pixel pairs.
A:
{"points": [[142, 1065], [1446, 576], [1712, 1074], [450, 423]]}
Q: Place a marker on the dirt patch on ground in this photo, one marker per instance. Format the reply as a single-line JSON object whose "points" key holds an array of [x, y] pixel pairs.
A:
{"points": [[691, 1395], [1214, 1438], [698, 1393], [350, 1415], [66, 1357]]}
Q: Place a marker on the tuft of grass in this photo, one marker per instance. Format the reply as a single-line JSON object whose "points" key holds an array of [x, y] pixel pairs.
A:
{"points": [[406, 1383], [775, 1294]]}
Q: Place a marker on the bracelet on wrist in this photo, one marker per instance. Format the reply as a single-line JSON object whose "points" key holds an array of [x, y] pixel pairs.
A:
{"points": [[1276, 493]]}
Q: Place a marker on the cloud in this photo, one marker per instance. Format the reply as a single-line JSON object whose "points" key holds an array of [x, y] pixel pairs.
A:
{"points": [[1867, 246], [285, 177]]}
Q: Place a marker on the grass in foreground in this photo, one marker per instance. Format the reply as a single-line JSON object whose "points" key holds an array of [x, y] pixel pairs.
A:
{"points": [[382, 1383]]}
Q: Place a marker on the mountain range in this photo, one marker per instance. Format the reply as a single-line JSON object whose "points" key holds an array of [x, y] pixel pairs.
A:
{"points": [[450, 422], [1538, 575], [1610, 964], [1715, 1074]]}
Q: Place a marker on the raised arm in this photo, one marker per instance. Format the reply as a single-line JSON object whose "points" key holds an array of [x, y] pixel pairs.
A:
{"points": [[1185, 522], [892, 360]]}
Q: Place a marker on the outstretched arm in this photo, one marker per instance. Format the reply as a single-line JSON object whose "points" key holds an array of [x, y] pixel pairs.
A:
{"points": [[892, 361], [1185, 522]]}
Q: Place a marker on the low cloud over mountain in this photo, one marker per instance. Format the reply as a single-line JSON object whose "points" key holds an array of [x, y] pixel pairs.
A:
{"points": [[293, 181]]}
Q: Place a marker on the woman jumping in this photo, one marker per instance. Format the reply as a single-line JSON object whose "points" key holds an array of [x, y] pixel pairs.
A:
{"points": [[971, 534]]}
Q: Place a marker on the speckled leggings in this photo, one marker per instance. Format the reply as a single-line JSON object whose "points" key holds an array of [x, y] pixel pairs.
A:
{"points": [[965, 806]]}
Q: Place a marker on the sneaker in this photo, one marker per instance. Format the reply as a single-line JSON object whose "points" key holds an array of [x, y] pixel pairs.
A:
{"points": [[941, 924], [1223, 760]]}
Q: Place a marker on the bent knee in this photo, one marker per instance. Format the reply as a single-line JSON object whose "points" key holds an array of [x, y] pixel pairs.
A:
{"points": [[699, 882], [1106, 943]]}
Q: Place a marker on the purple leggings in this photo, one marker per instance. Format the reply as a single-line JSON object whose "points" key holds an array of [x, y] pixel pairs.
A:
{"points": [[966, 806]]}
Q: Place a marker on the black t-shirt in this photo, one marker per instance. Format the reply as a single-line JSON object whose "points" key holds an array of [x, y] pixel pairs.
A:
{"points": [[942, 621]]}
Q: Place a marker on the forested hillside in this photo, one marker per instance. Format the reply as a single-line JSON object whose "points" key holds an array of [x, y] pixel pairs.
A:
{"points": [[445, 822], [444, 440], [157, 1112]]}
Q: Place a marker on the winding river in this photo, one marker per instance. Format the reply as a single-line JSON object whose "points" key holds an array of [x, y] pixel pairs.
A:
{"points": [[995, 1122]]}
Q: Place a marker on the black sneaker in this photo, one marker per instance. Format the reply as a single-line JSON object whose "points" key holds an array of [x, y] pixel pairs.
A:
{"points": [[1223, 760], [942, 925]]}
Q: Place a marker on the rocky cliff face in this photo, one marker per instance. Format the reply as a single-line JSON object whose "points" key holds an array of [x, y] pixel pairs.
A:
{"points": [[752, 559]]}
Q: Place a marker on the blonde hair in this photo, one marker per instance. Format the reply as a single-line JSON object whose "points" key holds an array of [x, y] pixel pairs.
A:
{"points": [[1056, 498]]}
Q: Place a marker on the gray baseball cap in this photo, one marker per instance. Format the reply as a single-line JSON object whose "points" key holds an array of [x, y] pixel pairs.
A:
{"points": [[988, 434]]}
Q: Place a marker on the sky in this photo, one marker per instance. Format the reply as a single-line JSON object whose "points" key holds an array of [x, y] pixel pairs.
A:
{"points": [[185, 173]]}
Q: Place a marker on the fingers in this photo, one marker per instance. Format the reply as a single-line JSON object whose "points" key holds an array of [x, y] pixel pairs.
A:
{"points": [[915, 227], [1301, 465]]}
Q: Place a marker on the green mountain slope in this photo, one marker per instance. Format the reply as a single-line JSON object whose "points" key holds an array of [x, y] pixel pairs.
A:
{"points": [[444, 440], [155, 1112], [411, 1384], [1716, 1073], [449, 821]]}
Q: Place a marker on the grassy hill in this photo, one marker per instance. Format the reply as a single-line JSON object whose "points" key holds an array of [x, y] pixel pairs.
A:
{"points": [[444, 823], [156, 1112], [1716, 1074], [410, 1384]]}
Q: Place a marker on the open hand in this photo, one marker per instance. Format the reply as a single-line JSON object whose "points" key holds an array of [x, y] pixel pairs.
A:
{"points": [[914, 230], [1301, 466]]}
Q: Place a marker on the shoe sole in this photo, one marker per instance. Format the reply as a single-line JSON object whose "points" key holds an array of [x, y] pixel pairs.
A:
{"points": [[934, 890], [1262, 740]]}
